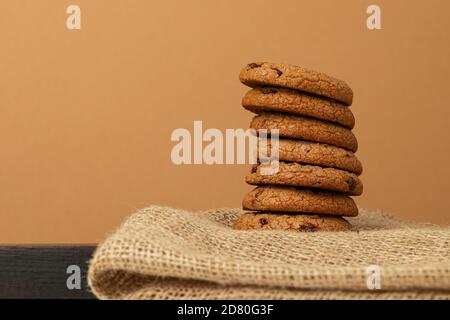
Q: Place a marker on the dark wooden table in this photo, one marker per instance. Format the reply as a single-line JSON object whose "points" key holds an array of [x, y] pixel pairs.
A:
{"points": [[45, 271]]}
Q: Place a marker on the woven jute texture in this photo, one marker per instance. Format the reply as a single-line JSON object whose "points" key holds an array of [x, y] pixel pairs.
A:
{"points": [[166, 253]]}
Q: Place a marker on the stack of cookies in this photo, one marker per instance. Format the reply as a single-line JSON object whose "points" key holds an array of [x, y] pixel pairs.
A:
{"points": [[318, 170]]}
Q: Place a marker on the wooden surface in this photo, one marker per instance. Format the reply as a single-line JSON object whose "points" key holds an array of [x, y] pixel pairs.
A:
{"points": [[41, 271]]}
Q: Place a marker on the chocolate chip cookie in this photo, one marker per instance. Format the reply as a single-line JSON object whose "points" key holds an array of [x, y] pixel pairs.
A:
{"points": [[287, 199], [318, 154], [298, 175], [296, 127], [271, 99], [298, 222], [305, 152], [298, 78]]}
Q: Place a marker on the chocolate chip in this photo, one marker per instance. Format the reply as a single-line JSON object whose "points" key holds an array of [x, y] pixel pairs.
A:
{"points": [[351, 184], [279, 72], [263, 221], [258, 192], [307, 227], [267, 90], [252, 65]]}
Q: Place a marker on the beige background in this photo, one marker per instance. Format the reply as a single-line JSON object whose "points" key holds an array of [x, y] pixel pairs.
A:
{"points": [[86, 116]]}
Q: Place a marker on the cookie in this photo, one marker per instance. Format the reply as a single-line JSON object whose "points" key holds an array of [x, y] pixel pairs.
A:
{"points": [[306, 129], [271, 99], [298, 78], [286, 199], [298, 175], [318, 154], [292, 222]]}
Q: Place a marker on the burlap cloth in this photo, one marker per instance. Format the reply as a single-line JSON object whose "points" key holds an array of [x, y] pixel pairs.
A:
{"points": [[166, 253]]}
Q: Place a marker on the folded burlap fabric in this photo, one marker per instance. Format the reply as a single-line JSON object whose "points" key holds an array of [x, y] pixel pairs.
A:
{"points": [[166, 253]]}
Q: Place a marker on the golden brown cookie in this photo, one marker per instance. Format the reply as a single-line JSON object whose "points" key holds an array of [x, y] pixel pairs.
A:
{"points": [[317, 154], [298, 78], [287, 199], [271, 99], [292, 222], [298, 175], [306, 129]]}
